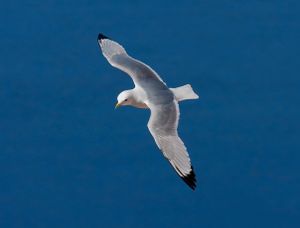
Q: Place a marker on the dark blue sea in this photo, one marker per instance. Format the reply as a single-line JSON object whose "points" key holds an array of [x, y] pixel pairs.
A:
{"points": [[68, 159]]}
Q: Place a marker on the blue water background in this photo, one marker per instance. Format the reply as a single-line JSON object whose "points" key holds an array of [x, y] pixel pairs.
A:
{"points": [[68, 159]]}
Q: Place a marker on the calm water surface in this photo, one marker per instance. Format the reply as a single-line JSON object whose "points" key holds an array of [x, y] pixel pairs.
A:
{"points": [[68, 159]]}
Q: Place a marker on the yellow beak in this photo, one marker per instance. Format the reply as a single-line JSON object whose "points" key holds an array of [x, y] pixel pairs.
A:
{"points": [[117, 105]]}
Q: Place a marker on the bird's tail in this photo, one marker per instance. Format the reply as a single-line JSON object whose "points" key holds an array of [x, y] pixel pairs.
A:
{"points": [[185, 92]]}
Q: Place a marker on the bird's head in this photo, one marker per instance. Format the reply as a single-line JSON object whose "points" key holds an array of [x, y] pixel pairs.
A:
{"points": [[125, 98]]}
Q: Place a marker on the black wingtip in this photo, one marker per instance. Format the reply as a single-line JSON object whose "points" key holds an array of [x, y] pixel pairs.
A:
{"points": [[190, 179], [102, 37]]}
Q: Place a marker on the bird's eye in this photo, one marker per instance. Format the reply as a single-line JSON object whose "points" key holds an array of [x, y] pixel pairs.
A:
{"points": [[126, 100]]}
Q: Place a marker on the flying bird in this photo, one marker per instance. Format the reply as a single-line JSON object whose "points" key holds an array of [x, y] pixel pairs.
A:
{"points": [[151, 92]]}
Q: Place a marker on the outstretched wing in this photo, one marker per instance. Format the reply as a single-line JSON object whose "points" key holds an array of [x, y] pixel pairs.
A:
{"points": [[141, 74], [163, 125]]}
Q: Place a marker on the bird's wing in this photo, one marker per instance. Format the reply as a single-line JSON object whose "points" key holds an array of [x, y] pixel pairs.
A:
{"points": [[163, 125], [140, 73]]}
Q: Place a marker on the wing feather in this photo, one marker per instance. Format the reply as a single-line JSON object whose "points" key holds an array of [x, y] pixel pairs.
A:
{"points": [[117, 56], [163, 125]]}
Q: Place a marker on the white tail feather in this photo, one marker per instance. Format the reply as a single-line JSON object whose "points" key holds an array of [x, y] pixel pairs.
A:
{"points": [[185, 92]]}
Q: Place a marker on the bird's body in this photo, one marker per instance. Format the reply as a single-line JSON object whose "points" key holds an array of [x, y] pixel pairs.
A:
{"points": [[151, 92]]}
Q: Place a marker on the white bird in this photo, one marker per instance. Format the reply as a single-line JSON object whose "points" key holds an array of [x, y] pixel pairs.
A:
{"points": [[151, 92]]}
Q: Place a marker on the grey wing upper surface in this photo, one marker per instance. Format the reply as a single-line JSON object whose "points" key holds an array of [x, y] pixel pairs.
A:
{"points": [[163, 125], [164, 117], [117, 57]]}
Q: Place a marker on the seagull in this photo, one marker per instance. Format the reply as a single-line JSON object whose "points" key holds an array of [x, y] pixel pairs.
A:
{"points": [[151, 92]]}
